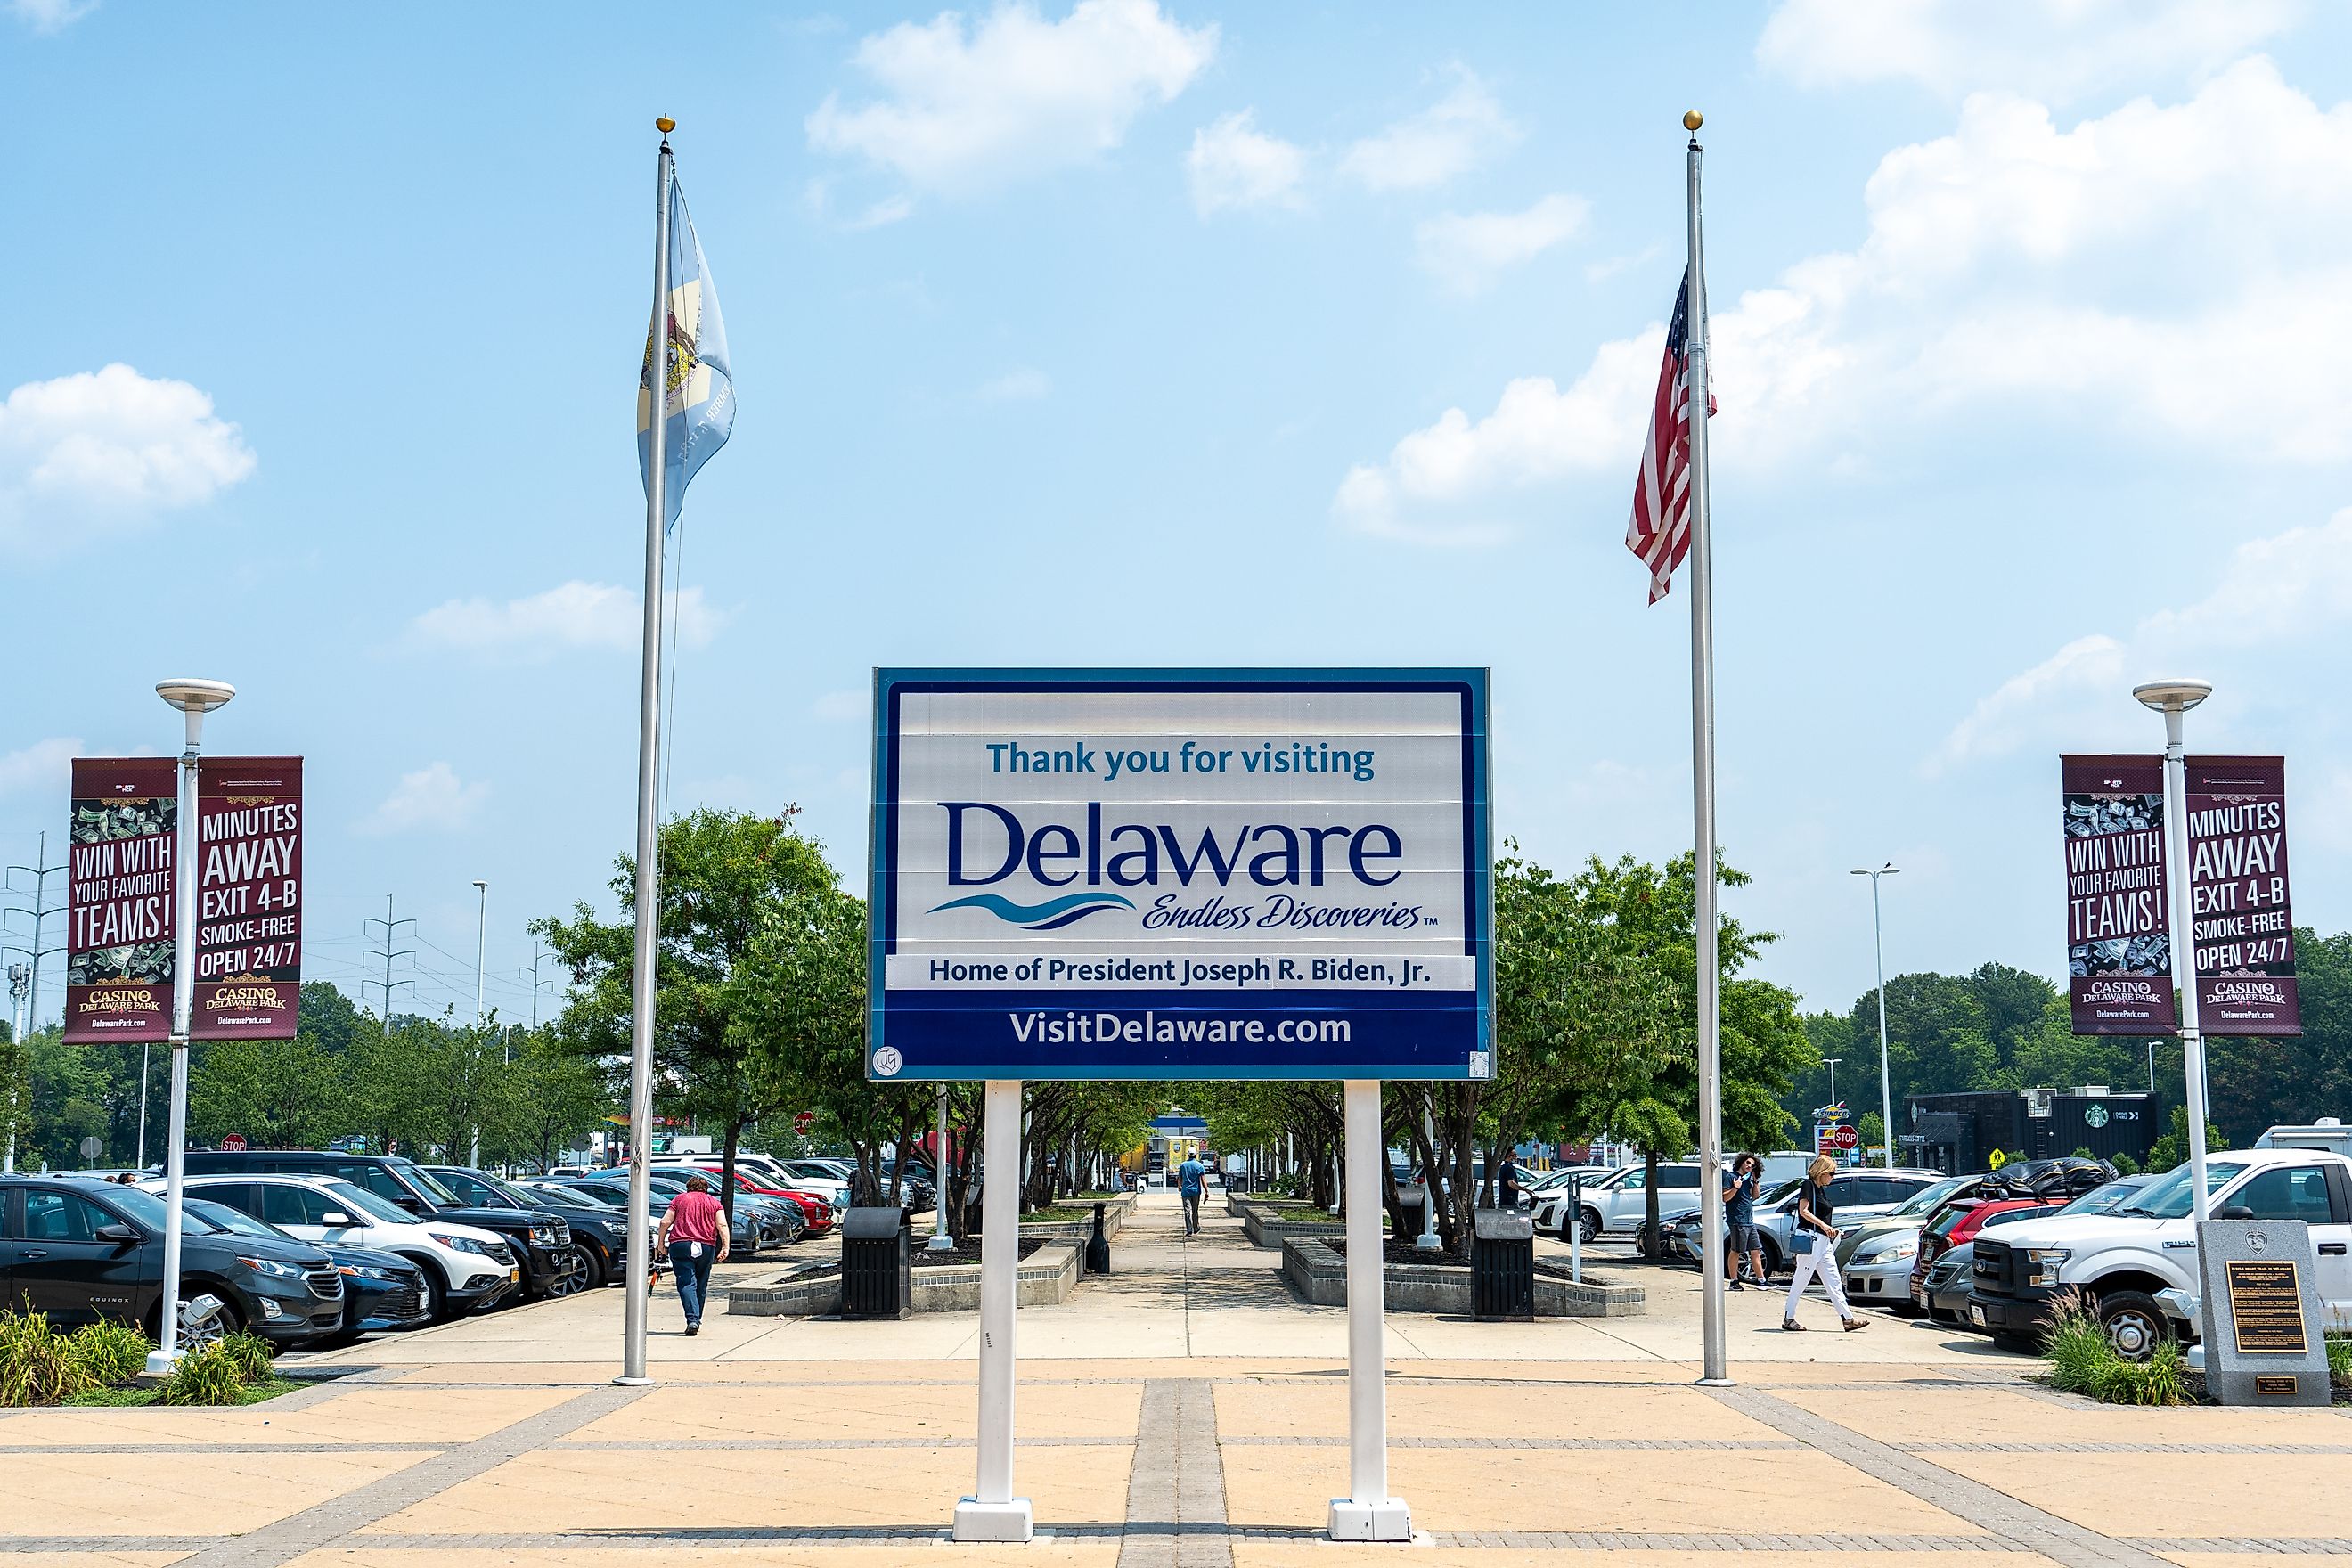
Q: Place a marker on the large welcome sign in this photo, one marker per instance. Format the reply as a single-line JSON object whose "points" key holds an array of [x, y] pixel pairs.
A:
{"points": [[1155, 874]]}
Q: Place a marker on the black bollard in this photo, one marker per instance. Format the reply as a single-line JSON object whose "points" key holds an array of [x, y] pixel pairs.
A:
{"points": [[1098, 1247]]}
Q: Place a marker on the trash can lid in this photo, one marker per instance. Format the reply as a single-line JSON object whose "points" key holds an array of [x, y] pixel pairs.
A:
{"points": [[872, 1224], [1503, 1224]]}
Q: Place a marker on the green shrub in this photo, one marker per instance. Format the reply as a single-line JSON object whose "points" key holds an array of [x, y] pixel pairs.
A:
{"points": [[38, 1366], [2083, 1362], [210, 1375], [112, 1353], [2339, 1359], [250, 1354], [2125, 1165]]}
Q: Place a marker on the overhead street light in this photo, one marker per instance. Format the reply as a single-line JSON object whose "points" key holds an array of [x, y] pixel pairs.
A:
{"points": [[1878, 945], [2172, 698]]}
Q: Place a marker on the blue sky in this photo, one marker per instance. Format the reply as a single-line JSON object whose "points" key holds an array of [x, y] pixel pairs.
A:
{"points": [[1174, 334]]}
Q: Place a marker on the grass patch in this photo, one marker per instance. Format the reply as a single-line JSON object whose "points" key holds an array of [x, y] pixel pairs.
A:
{"points": [[2340, 1360], [38, 1366], [115, 1398]]}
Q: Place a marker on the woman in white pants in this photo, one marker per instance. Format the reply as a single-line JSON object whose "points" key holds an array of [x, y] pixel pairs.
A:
{"points": [[1819, 1257]]}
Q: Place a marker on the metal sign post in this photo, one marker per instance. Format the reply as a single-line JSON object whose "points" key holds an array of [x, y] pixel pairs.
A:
{"points": [[992, 1512], [1367, 1513]]}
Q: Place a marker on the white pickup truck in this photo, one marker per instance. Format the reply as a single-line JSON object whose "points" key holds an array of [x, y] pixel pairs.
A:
{"points": [[2120, 1261]]}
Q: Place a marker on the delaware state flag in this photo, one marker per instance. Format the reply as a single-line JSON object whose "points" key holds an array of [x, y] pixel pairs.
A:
{"points": [[699, 401]]}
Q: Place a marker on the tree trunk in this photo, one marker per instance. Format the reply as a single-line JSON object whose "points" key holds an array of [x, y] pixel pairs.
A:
{"points": [[726, 1167], [1650, 1203]]}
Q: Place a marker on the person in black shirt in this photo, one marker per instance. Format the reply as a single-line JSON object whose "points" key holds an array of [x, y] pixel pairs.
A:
{"points": [[1813, 1240], [1739, 1218]]}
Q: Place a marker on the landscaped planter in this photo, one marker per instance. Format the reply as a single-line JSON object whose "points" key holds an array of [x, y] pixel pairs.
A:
{"points": [[1267, 1226], [1115, 1214], [1320, 1275], [1047, 1277]]}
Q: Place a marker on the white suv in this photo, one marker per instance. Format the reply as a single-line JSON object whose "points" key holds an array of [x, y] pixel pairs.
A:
{"points": [[2122, 1260], [465, 1267], [1618, 1204]]}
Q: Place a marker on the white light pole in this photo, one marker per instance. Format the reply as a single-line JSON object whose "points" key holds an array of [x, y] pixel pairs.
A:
{"points": [[1428, 1240], [194, 698], [2172, 698], [942, 1241], [481, 946], [1830, 1063], [20, 982], [1878, 946]]}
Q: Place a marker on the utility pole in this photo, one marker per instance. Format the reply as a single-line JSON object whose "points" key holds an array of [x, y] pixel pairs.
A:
{"points": [[537, 956], [20, 981], [388, 952], [40, 911], [481, 946]]}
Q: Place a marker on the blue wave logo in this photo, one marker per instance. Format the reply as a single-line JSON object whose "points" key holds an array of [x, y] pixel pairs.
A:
{"points": [[1051, 915]]}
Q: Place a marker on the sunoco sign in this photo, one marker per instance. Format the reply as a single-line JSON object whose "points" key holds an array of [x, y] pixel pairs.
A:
{"points": [[1159, 874]]}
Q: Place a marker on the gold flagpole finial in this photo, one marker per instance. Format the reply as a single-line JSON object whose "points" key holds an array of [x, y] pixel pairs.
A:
{"points": [[1692, 121], [664, 125]]}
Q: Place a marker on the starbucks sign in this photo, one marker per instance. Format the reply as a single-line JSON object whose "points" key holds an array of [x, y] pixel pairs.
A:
{"points": [[2094, 1116]]}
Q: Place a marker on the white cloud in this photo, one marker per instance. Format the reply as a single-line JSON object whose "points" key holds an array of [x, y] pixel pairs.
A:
{"points": [[2019, 709], [43, 768], [964, 112], [432, 798], [836, 706], [105, 448], [50, 15], [2046, 47], [2292, 589], [1023, 385], [1234, 164], [1467, 251], [2147, 273], [1455, 135], [574, 615]]}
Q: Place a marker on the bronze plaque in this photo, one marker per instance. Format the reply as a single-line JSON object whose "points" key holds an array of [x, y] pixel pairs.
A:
{"points": [[2275, 1383], [2266, 1307]]}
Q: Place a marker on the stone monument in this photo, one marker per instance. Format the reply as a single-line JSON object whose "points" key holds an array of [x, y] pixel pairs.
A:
{"points": [[2261, 1316]]}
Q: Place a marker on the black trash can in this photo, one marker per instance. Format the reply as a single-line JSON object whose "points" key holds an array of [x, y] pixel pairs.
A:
{"points": [[877, 1264], [1413, 1206], [1503, 1266]]}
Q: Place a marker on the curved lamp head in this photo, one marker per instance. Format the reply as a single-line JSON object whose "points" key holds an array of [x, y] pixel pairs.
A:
{"points": [[2173, 696], [193, 696]]}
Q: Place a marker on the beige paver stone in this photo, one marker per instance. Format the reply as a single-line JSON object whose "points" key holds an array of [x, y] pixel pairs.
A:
{"points": [[1994, 1414], [2305, 1495], [1439, 1410], [839, 1412], [1324, 1555], [1042, 1553], [94, 1559], [195, 1494]]}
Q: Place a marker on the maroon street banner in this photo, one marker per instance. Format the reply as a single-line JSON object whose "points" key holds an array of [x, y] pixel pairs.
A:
{"points": [[2118, 941], [118, 900], [248, 898], [2238, 896]]}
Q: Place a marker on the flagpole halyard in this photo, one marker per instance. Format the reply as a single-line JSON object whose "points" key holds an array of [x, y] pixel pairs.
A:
{"points": [[644, 975], [1703, 871]]}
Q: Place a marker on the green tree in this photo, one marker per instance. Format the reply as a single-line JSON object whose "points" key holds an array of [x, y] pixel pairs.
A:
{"points": [[559, 1093], [2261, 1082], [278, 1094], [726, 878], [2172, 1149]]}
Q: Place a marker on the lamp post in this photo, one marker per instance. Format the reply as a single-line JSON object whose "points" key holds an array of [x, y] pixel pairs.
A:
{"points": [[1878, 946], [481, 945], [1830, 1063], [194, 698], [2172, 698], [940, 1240]]}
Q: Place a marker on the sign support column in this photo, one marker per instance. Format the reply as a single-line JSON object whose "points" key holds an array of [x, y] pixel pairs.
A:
{"points": [[1367, 1513], [994, 1513]]}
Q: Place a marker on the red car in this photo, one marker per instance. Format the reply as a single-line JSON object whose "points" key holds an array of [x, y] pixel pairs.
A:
{"points": [[1956, 1224], [814, 1209]]}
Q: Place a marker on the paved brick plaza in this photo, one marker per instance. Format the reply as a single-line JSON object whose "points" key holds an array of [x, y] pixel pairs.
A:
{"points": [[1217, 1439]]}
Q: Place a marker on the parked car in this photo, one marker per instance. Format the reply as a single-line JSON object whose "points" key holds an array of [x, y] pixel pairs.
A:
{"points": [[1873, 1255], [817, 1213], [540, 1241], [382, 1291], [1618, 1204], [464, 1267], [748, 1230], [1946, 1299], [2120, 1261], [1856, 1195], [82, 1251], [600, 1240]]}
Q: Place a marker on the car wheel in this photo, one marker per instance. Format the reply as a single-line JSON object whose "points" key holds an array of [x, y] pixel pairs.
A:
{"points": [[600, 1268], [570, 1275], [198, 1331], [2135, 1324], [437, 1295], [1771, 1256], [1588, 1223]]}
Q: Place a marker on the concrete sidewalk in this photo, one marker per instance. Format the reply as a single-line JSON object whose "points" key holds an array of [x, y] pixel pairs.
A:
{"points": [[1221, 1449]]}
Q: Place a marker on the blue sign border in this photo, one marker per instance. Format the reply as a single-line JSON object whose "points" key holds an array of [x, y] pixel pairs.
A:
{"points": [[1478, 881]]}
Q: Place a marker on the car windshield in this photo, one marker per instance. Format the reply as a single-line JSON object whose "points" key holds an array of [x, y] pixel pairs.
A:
{"points": [[420, 1178], [1927, 1197], [508, 1191], [577, 1195], [2106, 1199], [2168, 1197], [149, 1211], [235, 1221], [1785, 1189], [361, 1201]]}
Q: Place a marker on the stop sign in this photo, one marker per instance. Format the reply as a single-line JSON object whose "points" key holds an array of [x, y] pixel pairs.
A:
{"points": [[1842, 1137], [804, 1121], [234, 1143]]}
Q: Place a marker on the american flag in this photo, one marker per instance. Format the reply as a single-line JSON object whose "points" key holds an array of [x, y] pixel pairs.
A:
{"points": [[1660, 531]]}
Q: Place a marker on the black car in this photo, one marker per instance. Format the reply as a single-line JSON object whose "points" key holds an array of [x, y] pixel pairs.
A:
{"points": [[382, 1291], [81, 1251], [541, 1241], [743, 1233], [599, 1237]]}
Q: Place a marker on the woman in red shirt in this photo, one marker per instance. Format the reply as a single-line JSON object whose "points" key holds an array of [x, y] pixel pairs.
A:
{"points": [[694, 1232]]}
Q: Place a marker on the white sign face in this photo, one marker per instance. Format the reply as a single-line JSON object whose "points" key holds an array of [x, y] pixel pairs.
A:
{"points": [[1248, 874]]}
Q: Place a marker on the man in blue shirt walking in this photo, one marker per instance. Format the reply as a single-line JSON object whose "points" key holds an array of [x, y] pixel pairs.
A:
{"points": [[1190, 1175]]}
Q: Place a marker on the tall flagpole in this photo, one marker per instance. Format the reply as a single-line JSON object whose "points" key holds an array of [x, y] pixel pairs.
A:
{"points": [[644, 975], [1710, 1020]]}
